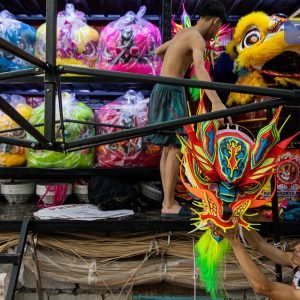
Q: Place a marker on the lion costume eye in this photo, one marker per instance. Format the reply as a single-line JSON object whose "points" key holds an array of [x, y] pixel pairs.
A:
{"points": [[251, 38]]}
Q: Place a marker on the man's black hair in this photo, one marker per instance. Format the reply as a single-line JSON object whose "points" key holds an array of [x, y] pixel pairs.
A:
{"points": [[213, 8]]}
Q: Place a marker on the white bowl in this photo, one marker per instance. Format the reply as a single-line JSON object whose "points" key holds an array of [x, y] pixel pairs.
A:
{"points": [[17, 192]]}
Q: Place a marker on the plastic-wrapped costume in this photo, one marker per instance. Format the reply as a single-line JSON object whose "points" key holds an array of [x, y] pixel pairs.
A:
{"points": [[227, 171], [128, 45], [130, 110], [18, 34], [12, 155], [73, 110], [264, 56], [76, 41]]}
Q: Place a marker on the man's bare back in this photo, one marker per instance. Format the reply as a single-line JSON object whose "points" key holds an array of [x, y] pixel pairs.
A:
{"points": [[178, 54]]}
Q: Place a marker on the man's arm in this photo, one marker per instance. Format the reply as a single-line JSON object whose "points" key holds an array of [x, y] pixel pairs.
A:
{"points": [[258, 244], [258, 280], [162, 49], [198, 48]]}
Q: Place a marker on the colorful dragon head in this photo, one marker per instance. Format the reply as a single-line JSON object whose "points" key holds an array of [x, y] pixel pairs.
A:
{"points": [[264, 54], [227, 170]]}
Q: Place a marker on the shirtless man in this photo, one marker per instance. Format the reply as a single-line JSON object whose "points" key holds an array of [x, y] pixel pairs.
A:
{"points": [[168, 102]]}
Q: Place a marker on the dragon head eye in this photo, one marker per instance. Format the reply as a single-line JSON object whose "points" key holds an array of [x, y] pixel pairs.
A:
{"points": [[251, 38]]}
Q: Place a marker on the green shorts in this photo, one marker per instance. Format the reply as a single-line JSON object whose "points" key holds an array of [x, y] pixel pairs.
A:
{"points": [[167, 102]]}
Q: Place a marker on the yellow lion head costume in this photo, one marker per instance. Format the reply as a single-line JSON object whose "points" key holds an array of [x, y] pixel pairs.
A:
{"points": [[262, 54]]}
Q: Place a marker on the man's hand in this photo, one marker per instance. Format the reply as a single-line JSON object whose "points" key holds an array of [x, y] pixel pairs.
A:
{"points": [[232, 235], [221, 106]]}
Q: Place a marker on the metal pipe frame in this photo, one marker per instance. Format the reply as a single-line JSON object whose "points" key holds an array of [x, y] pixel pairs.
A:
{"points": [[20, 73], [50, 72], [278, 268], [20, 142], [9, 258], [17, 265], [97, 124], [7, 46]]}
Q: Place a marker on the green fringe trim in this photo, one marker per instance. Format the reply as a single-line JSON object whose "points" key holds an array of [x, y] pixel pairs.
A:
{"points": [[210, 255]]}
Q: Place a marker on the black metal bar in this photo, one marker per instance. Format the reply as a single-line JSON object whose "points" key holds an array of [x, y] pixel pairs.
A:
{"points": [[194, 19], [96, 124], [61, 112], [50, 72], [19, 142], [20, 73], [166, 17], [24, 80], [219, 86], [137, 223], [136, 132], [36, 269], [90, 88], [9, 258], [275, 214], [101, 20], [292, 106], [7, 46], [11, 130], [20, 128], [71, 173], [278, 268], [16, 267], [19, 119]]}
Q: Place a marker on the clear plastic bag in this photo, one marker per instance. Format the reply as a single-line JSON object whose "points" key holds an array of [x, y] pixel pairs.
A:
{"points": [[19, 34], [76, 41], [74, 110], [12, 155], [129, 110], [128, 45]]}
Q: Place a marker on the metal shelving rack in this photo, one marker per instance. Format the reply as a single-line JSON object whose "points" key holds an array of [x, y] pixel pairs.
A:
{"points": [[53, 78]]}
